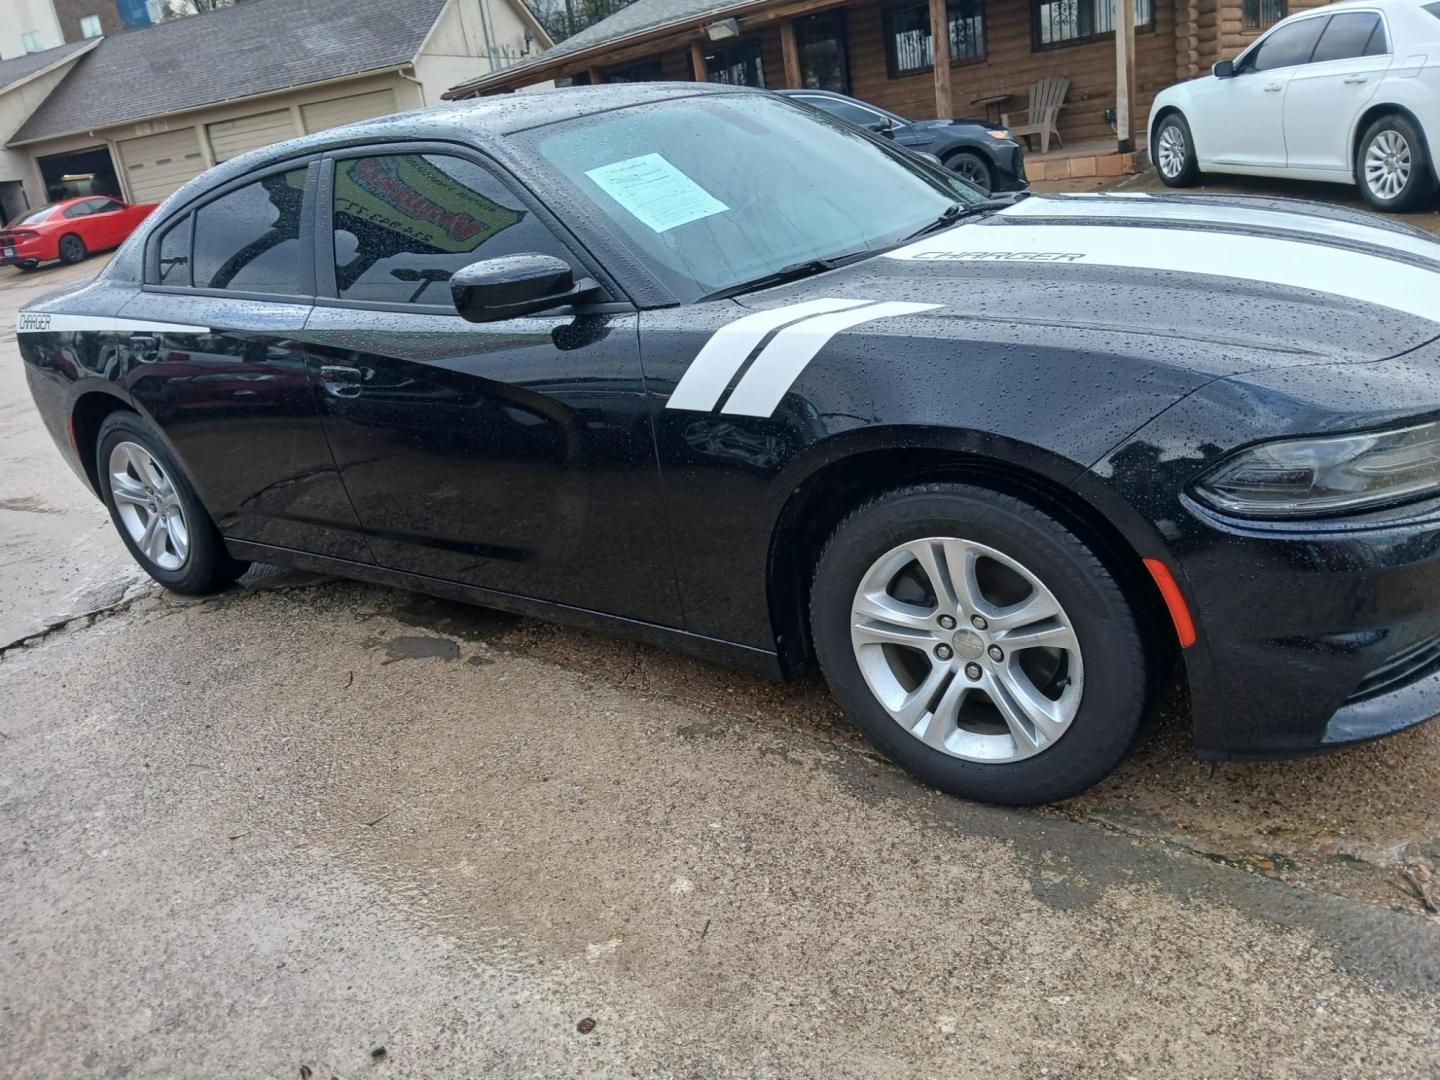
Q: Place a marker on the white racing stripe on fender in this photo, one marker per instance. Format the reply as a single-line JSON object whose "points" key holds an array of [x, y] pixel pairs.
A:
{"points": [[1239, 217], [781, 362], [728, 348], [1296, 263], [42, 322]]}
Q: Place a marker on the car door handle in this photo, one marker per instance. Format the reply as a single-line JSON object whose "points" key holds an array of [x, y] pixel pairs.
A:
{"points": [[1356, 80], [344, 376], [1274, 88]]}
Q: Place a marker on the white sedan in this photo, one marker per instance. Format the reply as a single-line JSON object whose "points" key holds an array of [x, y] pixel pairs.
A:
{"points": [[1348, 93]]}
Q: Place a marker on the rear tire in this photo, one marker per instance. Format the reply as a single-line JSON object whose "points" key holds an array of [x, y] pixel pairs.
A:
{"points": [[971, 166], [951, 690], [156, 511], [1392, 166], [1174, 152], [72, 249]]}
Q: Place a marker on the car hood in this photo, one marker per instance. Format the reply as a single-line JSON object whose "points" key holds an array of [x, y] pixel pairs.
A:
{"points": [[1216, 285]]}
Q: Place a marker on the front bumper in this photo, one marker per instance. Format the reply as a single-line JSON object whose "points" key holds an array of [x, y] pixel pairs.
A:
{"points": [[1009, 161]]}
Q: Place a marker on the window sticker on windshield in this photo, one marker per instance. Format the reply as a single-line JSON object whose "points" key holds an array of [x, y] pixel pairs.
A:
{"points": [[658, 194]]}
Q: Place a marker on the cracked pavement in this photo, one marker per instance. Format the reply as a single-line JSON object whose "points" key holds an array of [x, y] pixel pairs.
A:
{"points": [[307, 820]]}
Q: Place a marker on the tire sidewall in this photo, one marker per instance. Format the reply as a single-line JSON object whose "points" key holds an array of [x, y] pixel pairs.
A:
{"points": [[1115, 686], [207, 565], [76, 255], [1189, 171], [987, 178], [1421, 182]]}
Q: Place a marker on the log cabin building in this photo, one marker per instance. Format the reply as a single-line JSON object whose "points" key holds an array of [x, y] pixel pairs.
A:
{"points": [[885, 52]]}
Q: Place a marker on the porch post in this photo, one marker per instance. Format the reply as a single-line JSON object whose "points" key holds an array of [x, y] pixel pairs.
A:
{"points": [[1124, 76], [697, 62], [940, 41], [791, 53]]}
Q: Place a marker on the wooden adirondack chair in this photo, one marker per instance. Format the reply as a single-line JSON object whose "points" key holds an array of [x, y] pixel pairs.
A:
{"points": [[1047, 98]]}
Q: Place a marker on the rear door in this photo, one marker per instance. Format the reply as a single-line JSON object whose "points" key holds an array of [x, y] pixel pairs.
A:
{"points": [[1327, 95], [515, 456], [218, 359]]}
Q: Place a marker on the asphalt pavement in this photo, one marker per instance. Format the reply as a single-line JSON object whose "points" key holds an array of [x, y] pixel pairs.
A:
{"points": [[321, 829]]}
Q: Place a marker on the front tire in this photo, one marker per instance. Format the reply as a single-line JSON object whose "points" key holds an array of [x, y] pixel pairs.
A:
{"points": [[156, 511], [979, 643], [1392, 166], [971, 166], [1174, 153], [72, 249]]}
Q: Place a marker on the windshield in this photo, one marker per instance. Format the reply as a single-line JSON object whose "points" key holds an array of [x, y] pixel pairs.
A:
{"points": [[719, 191], [34, 217]]}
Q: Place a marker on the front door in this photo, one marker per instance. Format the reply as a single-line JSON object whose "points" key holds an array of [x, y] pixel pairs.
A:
{"points": [[1328, 94], [1243, 117], [515, 456]]}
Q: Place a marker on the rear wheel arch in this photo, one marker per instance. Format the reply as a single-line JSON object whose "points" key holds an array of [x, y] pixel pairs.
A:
{"points": [[817, 505], [1375, 112], [89, 413]]}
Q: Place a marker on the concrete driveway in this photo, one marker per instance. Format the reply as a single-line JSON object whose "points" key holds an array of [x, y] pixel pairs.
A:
{"points": [[313, 828]]}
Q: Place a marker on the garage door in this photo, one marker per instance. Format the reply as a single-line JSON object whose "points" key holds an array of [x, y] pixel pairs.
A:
{"points": [[346, 110], [231, 138], [155, 165]]}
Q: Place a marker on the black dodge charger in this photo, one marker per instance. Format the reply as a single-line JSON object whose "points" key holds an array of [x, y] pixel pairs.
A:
{"points": [[710, 369]]}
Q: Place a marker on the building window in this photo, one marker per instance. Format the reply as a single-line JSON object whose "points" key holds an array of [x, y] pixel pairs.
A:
{"points": [[738, 63], [32, 42], [1069, 22], [644, 71], [1257, 15], [90, 26], [908, 49], [820, 41]]}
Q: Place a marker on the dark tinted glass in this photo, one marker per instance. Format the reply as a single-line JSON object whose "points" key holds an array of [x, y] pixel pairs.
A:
{"points": [[105, 206], [405, 222], [866, 118], [249, 240], [1355, 33], [80, 209], [175, 254], [1287, 46]]}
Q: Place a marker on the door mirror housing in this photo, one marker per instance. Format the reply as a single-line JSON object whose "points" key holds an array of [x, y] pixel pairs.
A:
{"points": [[887, 128], [1224, 69], [515, 285]]}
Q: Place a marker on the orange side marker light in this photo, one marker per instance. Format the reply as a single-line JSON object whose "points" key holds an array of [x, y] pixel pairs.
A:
{"points": [[1174, 600]]}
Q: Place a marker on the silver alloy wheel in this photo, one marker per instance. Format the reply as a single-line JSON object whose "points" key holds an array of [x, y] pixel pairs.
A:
{"points": [[1171, 151], [149, 506], [1388, 164], [967, 650]]}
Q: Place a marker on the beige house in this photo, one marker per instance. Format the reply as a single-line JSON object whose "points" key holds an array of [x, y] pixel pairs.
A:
{"points": [[139, 113]]}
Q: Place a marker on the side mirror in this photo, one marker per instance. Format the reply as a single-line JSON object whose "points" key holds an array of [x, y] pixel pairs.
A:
{"points": [[515, 285], [886, 128], [1224, 69]]}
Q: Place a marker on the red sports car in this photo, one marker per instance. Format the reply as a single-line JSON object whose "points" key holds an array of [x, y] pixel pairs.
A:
{"points": [[69, 230]]}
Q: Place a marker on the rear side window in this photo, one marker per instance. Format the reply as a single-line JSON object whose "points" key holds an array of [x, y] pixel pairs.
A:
{"points": [[1288, 46], [405, 222], [249, 240], [1355, 33], [175, 254], [843, 109], [80, 209]]}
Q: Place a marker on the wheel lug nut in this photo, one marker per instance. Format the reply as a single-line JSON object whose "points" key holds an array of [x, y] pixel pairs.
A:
{"points": [[946, 622], [944, 652], [972, 671], [996, 653], [978, 622]]}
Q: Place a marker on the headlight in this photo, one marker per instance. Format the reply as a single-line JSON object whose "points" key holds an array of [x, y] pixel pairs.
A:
{"points": [[997, 134], [1326, 475]]}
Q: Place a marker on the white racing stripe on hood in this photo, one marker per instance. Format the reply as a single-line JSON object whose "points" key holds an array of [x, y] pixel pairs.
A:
{"points": [[1295, 263], [780, 363], [1238, 217], [42, 322], [730, 346]]}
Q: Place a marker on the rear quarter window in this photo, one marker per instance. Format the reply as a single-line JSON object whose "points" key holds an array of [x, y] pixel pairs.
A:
{"points": [[174, 266], [249, 239]]}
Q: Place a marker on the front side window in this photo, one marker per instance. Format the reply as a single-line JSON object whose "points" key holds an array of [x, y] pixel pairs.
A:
{"points": [[104, 206], [908, 46], [174, 266], [1288, 46], [738, 64], [820, 42], [405, 222], [1069, 22], [1351, 34], [1257, 15], [249, 240], [715, 192], [80, 209], [846, 110]]}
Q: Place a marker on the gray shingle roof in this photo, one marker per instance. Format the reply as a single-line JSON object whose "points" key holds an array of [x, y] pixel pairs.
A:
{"points": [[22, 67], [254, 47], [638, 17]]}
